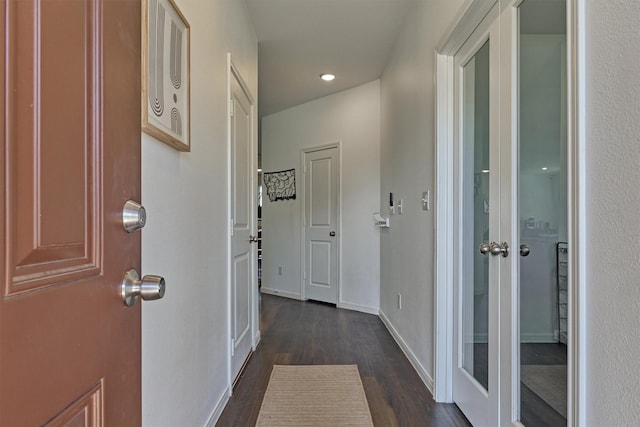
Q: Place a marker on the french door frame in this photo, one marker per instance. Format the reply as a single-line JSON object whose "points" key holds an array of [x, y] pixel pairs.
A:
{"points": [[444, 356]]}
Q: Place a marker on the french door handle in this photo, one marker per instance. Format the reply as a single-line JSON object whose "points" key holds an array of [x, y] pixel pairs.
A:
{"points": [[485, 248], [500, 249], [495, 249], [253, 239]]}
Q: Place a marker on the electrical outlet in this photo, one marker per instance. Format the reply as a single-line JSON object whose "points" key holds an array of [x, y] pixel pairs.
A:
{"points": [[399, 301], [280, 270]]}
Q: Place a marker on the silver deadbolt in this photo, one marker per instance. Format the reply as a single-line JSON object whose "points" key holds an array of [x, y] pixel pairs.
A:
{"points": [[134, 216], [149, 288]]}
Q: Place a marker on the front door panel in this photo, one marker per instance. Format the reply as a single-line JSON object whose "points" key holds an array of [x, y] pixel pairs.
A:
{"points": [[71, 152]]}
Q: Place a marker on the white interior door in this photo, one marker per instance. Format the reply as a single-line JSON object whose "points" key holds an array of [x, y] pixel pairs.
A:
{"points": [[243, 255], [477, 202], [322, 198], [510, 162]]}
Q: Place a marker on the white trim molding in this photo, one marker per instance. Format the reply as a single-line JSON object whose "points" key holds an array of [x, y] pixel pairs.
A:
{"points": [[219, 407], [443, 265], [279, 293], [576, 118], [413, 359], [360, 308]]}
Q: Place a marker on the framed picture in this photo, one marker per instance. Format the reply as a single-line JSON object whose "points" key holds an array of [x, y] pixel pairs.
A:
{"points": [[165, 73]]}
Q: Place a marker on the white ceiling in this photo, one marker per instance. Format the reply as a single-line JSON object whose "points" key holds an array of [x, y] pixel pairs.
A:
{"points": [[300, 39]]}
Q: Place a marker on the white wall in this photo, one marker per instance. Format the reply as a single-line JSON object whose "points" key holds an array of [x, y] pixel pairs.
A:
{"points": [[407, 169], [351, 117], [184, 337], [613, 212]]}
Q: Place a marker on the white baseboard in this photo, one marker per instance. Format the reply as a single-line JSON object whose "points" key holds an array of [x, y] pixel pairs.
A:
{"points": [[280, 293], [538, 338], [217, 411], [256, 341], [360, 308], [422, 373], [524, 338], [478, 339]]}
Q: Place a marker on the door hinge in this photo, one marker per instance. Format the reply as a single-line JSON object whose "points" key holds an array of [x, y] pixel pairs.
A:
{"points": [[231, 225], [232, 107], [233, 347]]}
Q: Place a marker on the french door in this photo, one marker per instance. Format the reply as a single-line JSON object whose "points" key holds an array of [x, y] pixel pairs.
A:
{"points": [[510, 208], [477, 204]]}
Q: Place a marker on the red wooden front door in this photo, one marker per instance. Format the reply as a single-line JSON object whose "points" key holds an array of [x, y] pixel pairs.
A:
{"points": [[69, 347]]}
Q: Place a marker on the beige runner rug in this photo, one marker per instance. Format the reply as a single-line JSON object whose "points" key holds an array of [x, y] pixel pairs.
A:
{"points": [[314, 395]]}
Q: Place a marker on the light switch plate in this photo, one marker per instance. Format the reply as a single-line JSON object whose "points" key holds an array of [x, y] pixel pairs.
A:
{"points": [[426, 202]]}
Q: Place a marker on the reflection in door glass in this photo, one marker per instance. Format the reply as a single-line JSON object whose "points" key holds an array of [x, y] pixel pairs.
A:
{"points": [[543, 213], [475, 292]]}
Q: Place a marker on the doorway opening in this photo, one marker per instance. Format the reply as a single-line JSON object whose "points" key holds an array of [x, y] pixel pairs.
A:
{"points": [[534, 264]]}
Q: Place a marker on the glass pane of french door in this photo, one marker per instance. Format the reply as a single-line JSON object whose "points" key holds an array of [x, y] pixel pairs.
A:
{"points": [[475, 211], [542, 205]]}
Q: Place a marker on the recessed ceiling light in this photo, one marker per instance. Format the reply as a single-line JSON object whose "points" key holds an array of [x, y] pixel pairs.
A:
{"points": [[327, 77], [545, 168], [485, 170]]}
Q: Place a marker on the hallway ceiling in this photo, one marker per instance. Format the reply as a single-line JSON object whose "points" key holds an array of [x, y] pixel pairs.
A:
{"points": [[300, 39]]}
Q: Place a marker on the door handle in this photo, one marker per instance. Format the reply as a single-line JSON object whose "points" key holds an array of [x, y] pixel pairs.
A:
{"points": [[485, 248], [149, 288], [499, 249], [524, 250], [494, 249], [332, 233], [253, 239]]}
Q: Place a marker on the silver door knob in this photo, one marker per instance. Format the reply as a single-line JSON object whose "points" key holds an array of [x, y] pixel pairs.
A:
{"points": [[485, 248], [253, 239], [134, 216], [149, 288], [499, 249], [524, 250]]}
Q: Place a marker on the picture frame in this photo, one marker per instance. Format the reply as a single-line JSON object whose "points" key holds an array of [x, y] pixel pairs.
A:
{"points": [[166, 103]]}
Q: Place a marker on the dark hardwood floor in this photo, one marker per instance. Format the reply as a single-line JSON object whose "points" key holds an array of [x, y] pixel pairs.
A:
{"points": [[307, 333], [534, 412]]}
